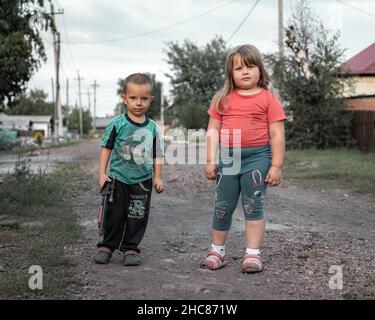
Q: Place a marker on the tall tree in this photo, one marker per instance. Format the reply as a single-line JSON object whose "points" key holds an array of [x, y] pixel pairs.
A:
{"points": [[197, 73], [154, 110], [32, 103], [73, 120], [21, 46], [308, 85]]}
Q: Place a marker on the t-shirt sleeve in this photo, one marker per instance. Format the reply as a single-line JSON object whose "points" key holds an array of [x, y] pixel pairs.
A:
{"points": [[214, 113], [109, 137], [275, 110], [158, 145]]}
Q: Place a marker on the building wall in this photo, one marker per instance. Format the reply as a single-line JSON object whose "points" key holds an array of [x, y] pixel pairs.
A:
{"points": [[44, 127], [362, 86]]}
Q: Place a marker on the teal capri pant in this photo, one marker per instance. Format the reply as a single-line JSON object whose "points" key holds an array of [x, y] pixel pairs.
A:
{"points": [[241, 170]]}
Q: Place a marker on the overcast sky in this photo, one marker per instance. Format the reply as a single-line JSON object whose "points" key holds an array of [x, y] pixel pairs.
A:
{"points": [[96, 20]]}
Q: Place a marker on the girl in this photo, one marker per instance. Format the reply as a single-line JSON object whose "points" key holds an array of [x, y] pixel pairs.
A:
{"points": [[250, 121]]}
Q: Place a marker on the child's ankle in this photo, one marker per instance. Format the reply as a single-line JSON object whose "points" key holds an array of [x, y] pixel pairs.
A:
{"points": [[252, 251], [218, 249], [105, 249]]}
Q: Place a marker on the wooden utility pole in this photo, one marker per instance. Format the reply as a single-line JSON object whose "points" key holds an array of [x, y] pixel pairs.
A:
{"points": [[56, 47], [162, 106], [95, 85], [53, 91], [281, 30], [79, 79], [67, 100], [67, 93], [89, 99]]}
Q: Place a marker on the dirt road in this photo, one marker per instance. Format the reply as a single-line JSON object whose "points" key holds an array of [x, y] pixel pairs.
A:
{"points": [[312, 235]]}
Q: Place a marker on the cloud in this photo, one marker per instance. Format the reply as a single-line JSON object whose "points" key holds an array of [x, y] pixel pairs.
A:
{"points": [[95, 20]]}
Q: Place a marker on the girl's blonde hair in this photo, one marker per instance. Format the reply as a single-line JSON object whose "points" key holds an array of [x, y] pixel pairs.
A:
{"points": [[249, 55]]}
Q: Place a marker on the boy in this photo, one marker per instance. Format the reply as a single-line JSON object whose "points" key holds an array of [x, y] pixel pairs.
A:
{"points": [[132, 143]]}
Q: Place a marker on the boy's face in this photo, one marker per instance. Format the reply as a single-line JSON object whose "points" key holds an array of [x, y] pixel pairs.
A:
{"points": [[137, 98]]}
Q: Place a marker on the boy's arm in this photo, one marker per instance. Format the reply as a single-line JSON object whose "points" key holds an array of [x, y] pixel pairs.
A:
{"points": [[103, 163], [157, 182], [278, 151]]}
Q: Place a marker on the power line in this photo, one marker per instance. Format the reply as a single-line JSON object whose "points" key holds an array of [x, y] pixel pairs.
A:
{"points": [[355, 8], [243, 21], [68, 41], [159, 29], [66, 34]]}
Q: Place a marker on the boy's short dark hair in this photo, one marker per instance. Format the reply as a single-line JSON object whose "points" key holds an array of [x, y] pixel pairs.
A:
{"points": [[137, 78]]}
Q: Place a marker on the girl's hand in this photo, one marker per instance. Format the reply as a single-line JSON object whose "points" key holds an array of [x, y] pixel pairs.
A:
{"points": [[210, 171], [273, 176], [103, 178], [158, 184]]}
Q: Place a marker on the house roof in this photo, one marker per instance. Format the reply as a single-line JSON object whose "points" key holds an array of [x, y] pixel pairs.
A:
{"points": [[102, 122], [19, 122], [362, 63]]}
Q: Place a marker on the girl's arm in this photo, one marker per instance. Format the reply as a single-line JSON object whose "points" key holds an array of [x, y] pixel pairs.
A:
{"points": [[212, 143], [103, 163], [277, 135]]}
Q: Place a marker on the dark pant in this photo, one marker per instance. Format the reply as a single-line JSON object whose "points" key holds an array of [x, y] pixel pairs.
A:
{"points": [[127, 216]]}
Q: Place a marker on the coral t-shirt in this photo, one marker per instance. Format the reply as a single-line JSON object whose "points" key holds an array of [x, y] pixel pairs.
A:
{"points": [[246, 119]]}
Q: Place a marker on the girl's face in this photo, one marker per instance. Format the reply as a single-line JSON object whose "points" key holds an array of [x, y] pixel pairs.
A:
{"points": [[245, 77]]}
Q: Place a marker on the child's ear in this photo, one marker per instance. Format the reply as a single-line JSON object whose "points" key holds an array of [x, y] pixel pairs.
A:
{"points": [[123, 96], [151, 98]]}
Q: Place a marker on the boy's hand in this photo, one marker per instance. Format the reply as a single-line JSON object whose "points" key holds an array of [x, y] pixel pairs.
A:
{"points": [[158, 184], [103, 178], [210, 171], [273, 176]]}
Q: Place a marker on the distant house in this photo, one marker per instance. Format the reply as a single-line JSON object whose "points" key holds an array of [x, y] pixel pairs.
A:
{"points": [[102, 123], [361, 100], [26, 123]]}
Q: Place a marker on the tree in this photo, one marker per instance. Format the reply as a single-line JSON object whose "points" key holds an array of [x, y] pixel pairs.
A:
{"points": [[21, 46], [197, 73], [307, 83], [155, 107], [73, 120], [32, 103]]}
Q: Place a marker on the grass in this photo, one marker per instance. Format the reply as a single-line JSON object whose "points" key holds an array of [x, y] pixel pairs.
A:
{"points": [[46, 200], [346, 169]]}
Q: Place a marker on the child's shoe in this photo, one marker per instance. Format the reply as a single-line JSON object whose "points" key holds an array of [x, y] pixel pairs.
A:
{"points": [[102, 257], [251, 264], [213, 261], [131, 258]]}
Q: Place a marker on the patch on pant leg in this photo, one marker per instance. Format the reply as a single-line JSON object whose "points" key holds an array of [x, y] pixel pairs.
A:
{"points": [[137, 206], [248, 209], [257, 178], [219, 176], [219, 213]]}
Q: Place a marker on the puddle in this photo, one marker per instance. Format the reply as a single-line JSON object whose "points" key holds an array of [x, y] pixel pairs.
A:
{"points": [[36, 163]]}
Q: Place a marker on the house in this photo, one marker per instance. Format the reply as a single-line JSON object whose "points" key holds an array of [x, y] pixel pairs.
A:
{"points": [[102, 122], [360, 69], [26, 123]]}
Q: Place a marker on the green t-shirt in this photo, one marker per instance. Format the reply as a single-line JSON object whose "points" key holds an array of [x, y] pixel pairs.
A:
{"points": [[134, 146]]}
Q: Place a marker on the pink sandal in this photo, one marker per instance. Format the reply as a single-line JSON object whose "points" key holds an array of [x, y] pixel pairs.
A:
{"points": [[251, 264], [214, 261]]}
